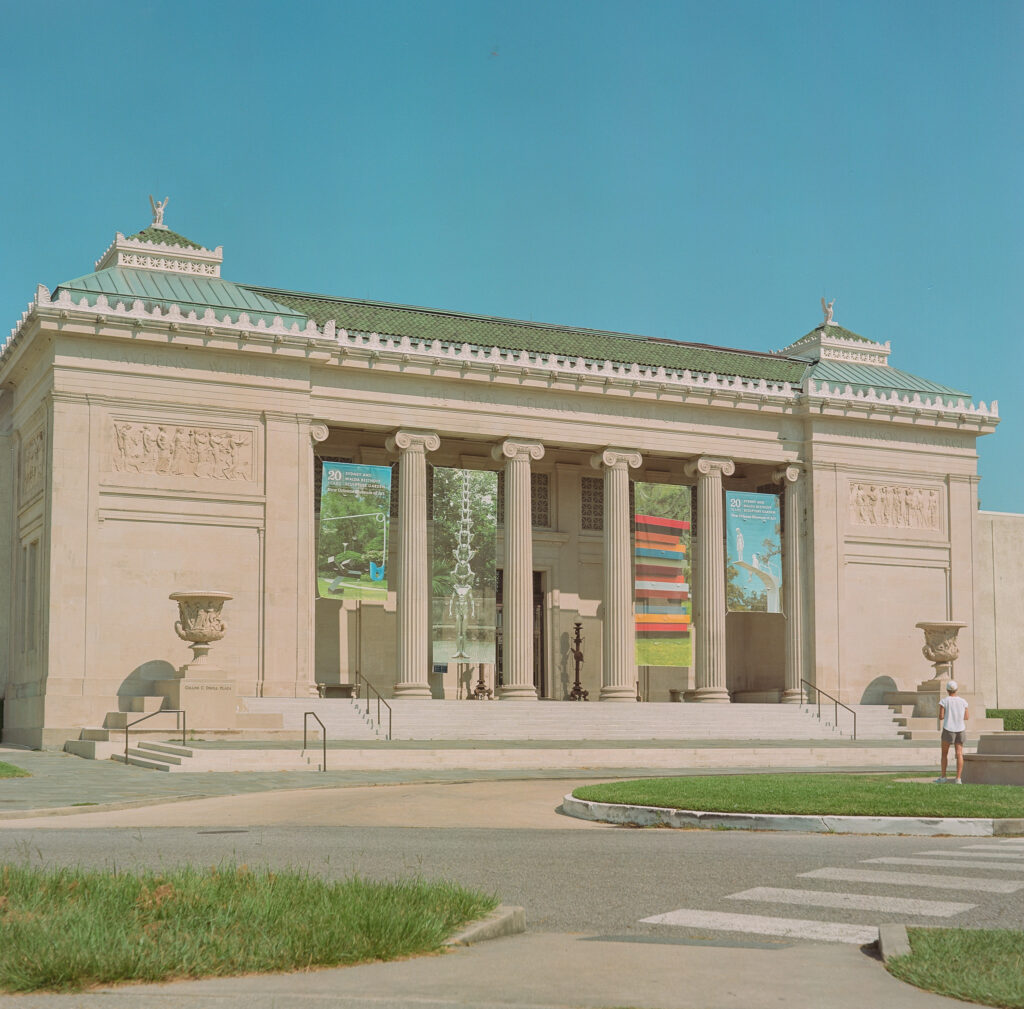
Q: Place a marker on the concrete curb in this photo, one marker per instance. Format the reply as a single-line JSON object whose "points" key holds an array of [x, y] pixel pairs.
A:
{"points": [[893, 941], [505, 919], [656, 816]]}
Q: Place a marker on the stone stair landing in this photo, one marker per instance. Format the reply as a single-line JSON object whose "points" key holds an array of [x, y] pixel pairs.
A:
{"points": [[593, 721]]}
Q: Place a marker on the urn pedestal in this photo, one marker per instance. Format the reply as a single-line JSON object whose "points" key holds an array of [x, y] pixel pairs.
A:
{"points": [[201, 688], [941, 649]]}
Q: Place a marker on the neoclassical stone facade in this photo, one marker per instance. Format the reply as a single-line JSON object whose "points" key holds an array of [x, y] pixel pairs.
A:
{"points": [[161, 430]]}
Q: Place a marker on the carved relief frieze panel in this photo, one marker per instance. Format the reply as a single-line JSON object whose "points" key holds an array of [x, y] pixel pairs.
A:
{"points": [[32, 467], [185, 451], [893, 506], [144, 262]]}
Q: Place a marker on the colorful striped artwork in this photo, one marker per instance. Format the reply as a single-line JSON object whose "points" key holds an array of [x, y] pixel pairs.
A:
{"points": [[661, 590]]}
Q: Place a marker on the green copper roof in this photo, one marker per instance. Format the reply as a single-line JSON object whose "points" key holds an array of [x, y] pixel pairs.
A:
{"points": [[161, 236], [154, 287], [510, 334], [881, 378]]}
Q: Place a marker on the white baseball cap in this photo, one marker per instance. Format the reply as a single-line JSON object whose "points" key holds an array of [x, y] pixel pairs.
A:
{"points": [[951, 686]]}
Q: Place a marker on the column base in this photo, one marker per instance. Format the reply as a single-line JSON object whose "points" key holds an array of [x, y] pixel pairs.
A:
{"points": [[517, 692], [622, 694], [710, 695], [791, 697], [412, 692]]}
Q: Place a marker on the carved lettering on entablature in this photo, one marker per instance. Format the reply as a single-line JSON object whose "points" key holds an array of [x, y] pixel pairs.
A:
{"points": [[32, 475], [890, 506], [191, 362], [178, 450], [913, 438]]}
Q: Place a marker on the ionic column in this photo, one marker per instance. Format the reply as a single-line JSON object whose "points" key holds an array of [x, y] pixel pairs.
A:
{"points": [[517, 598], [318, 432], [618, 665], [709, 594], [792, 582], [413, 592]]}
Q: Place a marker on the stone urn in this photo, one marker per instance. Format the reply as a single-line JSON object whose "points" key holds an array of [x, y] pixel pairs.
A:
{"points": [[940, 647], [200, 624]]}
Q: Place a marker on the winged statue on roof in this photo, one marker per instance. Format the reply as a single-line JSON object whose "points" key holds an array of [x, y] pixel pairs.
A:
{"points": [[158, 210]]}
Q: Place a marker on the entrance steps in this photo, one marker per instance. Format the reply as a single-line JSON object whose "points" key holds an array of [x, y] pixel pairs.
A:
{"points": [[343, 717], [174, 757], [496, 735], [565, 720], [520, 756], [927, 729]]}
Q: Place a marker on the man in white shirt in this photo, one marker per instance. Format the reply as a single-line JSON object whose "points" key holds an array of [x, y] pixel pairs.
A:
{"points": [[954, 715]]}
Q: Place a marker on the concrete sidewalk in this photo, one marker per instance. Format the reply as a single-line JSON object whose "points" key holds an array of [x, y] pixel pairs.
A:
{"points": [[548, 971], [61, 781]]}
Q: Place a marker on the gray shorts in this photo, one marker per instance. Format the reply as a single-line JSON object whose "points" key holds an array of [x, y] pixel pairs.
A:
{"points": [[958, 738]]}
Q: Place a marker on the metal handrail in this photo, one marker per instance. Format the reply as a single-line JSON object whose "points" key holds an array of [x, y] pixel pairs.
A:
{"points": [[162, 711], [323, 734], [360, 679], [835, 700]]}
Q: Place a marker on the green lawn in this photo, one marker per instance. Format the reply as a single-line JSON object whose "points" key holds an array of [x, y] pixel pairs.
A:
{"points": [[67, 929], [663, 651], [10, 771], [976, 965], [835, 794], [363, 589]]}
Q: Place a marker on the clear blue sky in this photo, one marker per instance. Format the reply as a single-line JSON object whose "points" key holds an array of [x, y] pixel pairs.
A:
{"points": [[698, 171]]}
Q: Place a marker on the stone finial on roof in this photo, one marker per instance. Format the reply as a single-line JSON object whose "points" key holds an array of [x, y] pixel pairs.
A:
{"points": [[158, 211], [826, 307]]}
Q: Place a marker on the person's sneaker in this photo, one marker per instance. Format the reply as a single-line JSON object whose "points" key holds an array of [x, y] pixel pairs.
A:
{"points": [[958, 781], [940, 781]]}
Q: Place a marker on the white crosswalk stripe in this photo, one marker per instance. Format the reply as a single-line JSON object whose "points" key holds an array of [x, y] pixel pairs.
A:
{"points": [[857, 901], [915, 879], [951, 863], [756, 924], [1005, 855]]}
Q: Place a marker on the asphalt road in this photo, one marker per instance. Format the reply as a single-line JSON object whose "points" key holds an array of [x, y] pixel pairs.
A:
{"points": [[602, 880]]}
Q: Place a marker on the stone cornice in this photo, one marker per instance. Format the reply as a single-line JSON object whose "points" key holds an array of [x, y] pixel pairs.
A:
{"points": [[139, 255], [916, 404], [839, 348], [333, 346]]}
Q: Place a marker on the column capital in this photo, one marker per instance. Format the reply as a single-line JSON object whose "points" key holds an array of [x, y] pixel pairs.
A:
{"points": [[788, 474], [515, 448], [406, 439], [617, 458], [318, 431], [708, 464]]}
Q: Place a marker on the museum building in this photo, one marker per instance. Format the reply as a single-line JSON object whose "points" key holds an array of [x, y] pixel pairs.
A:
{"points": [[345, 471]]}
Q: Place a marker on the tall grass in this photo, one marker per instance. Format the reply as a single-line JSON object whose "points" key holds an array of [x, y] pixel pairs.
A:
{"points": [[66, 929], [976, 965]]}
